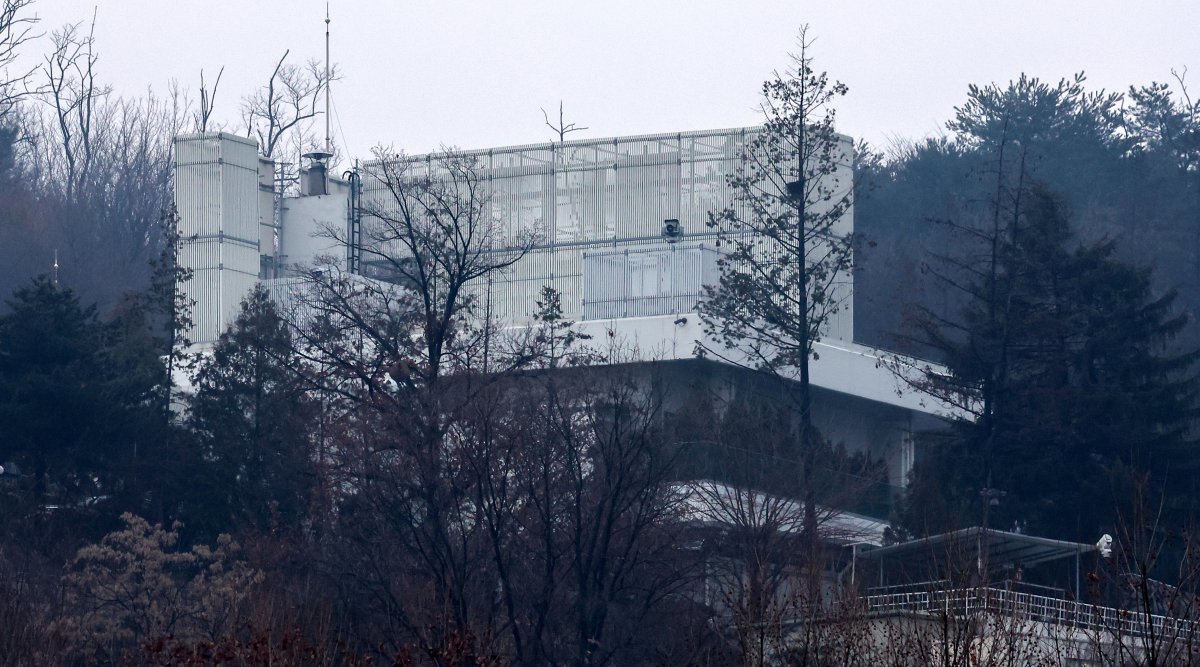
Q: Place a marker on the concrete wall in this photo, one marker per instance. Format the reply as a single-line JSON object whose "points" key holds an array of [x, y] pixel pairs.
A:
{"points": [[315, 226], [881, 431]]}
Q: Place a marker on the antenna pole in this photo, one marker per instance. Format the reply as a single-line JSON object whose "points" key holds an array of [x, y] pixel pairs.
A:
{"points": [[328, 142]]}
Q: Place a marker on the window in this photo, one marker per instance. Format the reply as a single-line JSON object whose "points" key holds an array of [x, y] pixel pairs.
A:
{"points": [[645, 281]]}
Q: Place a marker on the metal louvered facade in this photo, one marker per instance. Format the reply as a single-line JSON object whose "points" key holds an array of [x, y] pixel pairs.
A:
{"points": [[588, 216], [645, 280], [217, 198], [595, 209]]}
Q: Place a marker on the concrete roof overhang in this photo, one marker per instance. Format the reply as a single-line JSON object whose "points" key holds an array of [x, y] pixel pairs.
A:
{"points": [[841, 366]]}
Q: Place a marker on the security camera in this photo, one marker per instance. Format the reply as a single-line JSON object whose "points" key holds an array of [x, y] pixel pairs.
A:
{"points": [[672, 231]]}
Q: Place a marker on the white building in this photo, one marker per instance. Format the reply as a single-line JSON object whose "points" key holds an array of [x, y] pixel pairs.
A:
{"points": [[595, 211]]}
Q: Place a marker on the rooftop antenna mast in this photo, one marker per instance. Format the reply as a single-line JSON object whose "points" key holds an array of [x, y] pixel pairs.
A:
{"points": [[316, 182], [328, 83]]}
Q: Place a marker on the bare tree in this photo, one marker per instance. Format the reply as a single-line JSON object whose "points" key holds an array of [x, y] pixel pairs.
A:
{"points": [[429, 228], [16, 29], [572, 475], [563, 128], [99, 164], [400, 350], [526, 512], [73, 95], [208, 100], [109, 203], [1152, 576], [278, 110], [756, 568]]}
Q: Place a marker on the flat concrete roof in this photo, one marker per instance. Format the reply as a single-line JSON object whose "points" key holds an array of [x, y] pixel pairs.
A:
{"points": [[840, 366]]}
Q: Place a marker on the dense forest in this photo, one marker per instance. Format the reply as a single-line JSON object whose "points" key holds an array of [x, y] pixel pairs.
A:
{"points": [[1045, 250], [377, 474]]}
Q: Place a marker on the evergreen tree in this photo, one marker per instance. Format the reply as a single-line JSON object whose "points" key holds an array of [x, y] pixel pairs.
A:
{"points": [[1066, 132], [56, 409], [153, 445], [252, 417], [786, 251], [1087, 388]]}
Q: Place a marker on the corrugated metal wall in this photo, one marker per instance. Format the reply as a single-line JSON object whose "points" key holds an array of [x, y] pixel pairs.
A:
{"points": [[217, 196]]}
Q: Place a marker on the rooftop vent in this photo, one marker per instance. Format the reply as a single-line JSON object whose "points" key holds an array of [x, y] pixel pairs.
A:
{"points": [[314, 181]]}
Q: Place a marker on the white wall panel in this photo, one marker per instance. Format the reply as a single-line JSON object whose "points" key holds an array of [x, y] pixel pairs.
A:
{"points": [[314, 227]]}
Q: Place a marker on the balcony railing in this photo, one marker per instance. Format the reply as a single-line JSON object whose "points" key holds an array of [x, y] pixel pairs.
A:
{"points": [[964, 602]]}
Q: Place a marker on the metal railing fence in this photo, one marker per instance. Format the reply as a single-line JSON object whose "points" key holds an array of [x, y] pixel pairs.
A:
{"points": [[962, 602]]}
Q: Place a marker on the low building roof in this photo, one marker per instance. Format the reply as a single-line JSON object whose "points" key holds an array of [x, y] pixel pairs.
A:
{"points": [[715, 503], [1002, 548]]}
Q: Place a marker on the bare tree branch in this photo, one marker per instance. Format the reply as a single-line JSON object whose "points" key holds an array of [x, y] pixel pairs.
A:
{"points": [[563, 128]]}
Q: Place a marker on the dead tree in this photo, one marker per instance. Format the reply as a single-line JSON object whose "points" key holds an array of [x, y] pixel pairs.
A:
{"points": [[208, 99], [563, 128]]}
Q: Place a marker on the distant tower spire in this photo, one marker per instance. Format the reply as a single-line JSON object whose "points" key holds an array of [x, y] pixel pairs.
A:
{"points": [[54, 269], [328, 83]]}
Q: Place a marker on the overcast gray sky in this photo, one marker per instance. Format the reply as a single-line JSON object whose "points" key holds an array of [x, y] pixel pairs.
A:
{"points": [[473, 73]]}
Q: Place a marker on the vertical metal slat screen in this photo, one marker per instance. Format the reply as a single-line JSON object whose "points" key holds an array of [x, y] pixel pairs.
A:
{"points": [[596, 208]]}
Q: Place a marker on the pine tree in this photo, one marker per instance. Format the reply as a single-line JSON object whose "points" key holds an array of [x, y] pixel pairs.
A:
{"points": [[252, 415], [785, 251], [56, 417], [1089, 388]]}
